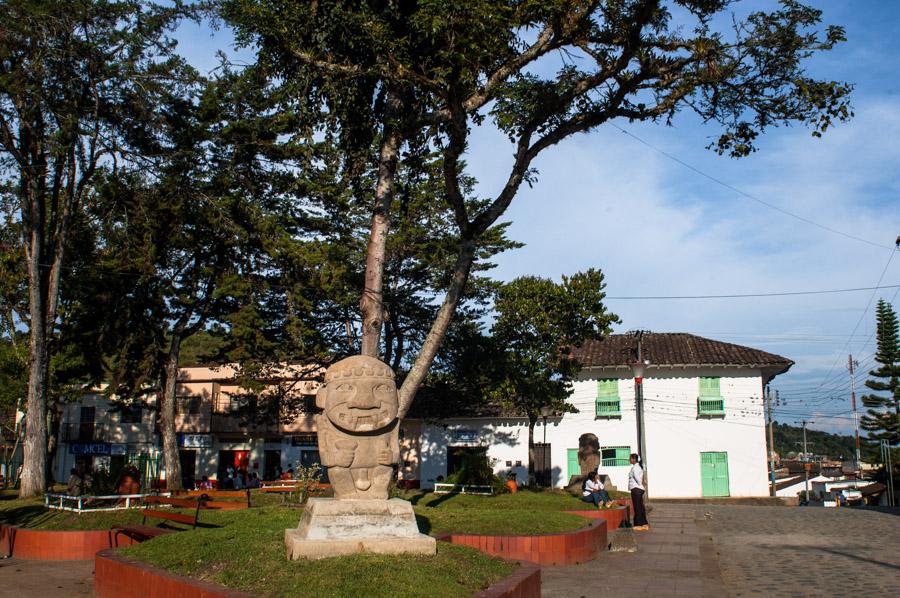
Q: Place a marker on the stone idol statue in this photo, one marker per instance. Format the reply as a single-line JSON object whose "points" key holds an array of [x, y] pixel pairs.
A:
{"points": [[358, 430], [358, 443]]}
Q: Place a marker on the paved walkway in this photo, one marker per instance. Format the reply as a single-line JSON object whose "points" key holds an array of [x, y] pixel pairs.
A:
{"points": [[42, 579], [674, 558], [740, 551], [806, 551]]}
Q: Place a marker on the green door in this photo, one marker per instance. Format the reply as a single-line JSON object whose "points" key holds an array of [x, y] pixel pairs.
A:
{"points": [[573, 467], [714, 474]]}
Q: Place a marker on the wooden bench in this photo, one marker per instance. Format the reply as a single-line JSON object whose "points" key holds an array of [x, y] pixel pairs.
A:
{"points": [[145, 532], [242, 496], [286, 490]]}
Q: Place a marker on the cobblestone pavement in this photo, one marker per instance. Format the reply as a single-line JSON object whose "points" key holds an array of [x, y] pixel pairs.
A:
{"points": [[805, 551], [700, 550], [675, 558], [45, 579]]}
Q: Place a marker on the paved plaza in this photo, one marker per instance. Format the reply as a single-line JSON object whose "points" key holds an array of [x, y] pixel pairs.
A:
{"points": [[45, 579], [699, 550], [691, 550]]}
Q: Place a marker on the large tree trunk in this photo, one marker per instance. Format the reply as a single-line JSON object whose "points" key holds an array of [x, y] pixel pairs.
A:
{"points": [[167, 416], [34, 469], [371, 303], [532, 480], [54, 419], [439, 327]]}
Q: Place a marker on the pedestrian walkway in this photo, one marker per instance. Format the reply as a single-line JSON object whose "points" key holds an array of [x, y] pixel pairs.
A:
{"points": [[41, 579], [675, 558]]}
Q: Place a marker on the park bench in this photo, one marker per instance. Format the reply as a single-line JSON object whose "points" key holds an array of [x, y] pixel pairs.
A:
{"points": [[463, 489], [146, 532], [285, 488], [230, 499]]}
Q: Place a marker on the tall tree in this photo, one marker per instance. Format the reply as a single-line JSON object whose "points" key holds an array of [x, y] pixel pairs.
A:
{"points": [[79, 84], [398, 76], [538, 323], [882, 419]]}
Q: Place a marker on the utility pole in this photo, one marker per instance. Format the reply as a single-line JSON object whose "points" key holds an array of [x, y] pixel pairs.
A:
{"points": [[851, 365], [887, 461], [768, 399], [805, 462], [638, 369]]}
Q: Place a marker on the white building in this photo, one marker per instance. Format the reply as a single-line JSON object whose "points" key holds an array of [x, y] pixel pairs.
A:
{"points": [[704, 420]]}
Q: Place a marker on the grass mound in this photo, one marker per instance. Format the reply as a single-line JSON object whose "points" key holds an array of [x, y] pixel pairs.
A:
{"points": [[524, 512], [247, 553]]}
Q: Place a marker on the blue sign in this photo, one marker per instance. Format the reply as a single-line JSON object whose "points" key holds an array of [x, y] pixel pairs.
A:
{"points": [[90, 448], [464, 435]]}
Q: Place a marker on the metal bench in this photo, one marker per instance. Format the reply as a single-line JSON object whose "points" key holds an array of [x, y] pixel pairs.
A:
{"points": [[463, 489]]}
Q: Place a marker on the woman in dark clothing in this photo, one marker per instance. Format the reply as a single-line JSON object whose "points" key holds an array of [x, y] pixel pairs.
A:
{"points": [[636, 486]]}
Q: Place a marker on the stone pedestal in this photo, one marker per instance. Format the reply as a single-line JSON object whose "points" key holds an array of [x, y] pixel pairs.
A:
{"points": [[331, 527]]}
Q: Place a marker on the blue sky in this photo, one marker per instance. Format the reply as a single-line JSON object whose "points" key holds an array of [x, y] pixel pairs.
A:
{"points": [[655, 227]]}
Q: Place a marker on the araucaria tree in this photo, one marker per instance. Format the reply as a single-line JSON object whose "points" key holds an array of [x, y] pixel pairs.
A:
{"points": [[538, 323], [882, 419], [403, 76], [80, 82]]}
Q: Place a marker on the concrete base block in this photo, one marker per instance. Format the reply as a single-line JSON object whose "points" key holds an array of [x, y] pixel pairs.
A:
{"points": [[332, 527]]}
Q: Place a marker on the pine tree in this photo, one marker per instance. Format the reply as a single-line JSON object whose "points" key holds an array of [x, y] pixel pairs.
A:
{"points": [[882, 419]]}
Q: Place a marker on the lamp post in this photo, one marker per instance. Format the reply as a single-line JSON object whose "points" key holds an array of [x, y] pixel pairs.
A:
{"points": [[545, 454], [637, 369], [545, 413]]}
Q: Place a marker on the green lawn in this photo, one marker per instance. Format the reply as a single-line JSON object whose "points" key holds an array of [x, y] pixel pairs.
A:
{"points": [[31, 513], [245, 549], [248, 553], [524, 512]]}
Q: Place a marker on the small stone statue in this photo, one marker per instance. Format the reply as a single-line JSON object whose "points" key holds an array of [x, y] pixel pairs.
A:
{"points": [[358, 431], [589, 458]]}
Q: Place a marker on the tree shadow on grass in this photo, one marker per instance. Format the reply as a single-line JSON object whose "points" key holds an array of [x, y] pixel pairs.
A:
{"points": [[27, 516]]}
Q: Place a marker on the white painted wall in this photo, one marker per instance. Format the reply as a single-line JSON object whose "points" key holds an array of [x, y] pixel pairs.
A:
{"points": [[675, 437]]}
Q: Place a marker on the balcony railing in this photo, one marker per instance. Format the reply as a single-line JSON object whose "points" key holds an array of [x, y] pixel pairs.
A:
{"points": [[710, 407], [609, 408]]}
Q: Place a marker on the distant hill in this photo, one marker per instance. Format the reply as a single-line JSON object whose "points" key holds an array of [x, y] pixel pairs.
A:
{"points": [[789, 439]]}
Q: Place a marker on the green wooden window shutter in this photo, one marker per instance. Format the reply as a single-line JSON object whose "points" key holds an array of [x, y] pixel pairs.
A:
{"points": [[608, 404], [615, 456], [710, 401], [709, 387]]}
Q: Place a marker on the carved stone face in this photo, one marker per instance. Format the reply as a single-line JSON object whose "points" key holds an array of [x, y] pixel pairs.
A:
{"points": [[359, 394]]}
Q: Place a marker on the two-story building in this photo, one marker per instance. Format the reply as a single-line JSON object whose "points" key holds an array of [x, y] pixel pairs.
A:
{"points": [[703, 420], [219, 423]]}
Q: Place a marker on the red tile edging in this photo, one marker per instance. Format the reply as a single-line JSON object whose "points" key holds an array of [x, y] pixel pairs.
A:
{"points": [[54, 545], [116, 576], [567, 548], [614, 517], [525, 582]]}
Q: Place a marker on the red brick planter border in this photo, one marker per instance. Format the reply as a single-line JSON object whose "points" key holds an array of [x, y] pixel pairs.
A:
{"points": [[567, 548], [117, 576], [614, 517], [525, 582], [54, 545]]}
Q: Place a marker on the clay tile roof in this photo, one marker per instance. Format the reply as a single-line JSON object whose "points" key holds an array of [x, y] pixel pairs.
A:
{"points": [[676, 349]]}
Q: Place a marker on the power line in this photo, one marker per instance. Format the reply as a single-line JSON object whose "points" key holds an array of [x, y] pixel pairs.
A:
{"points": [[861, 317], [742, 295], [745, 194]]}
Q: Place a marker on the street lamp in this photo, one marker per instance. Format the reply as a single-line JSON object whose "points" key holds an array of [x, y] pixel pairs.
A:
{"points": [[545, 413]]}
